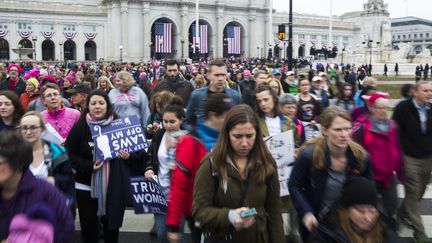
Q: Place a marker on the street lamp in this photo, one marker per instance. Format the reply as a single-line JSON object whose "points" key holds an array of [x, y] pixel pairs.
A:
{"points": [[19, 47], [121, 53], [182, 52], [258, 51], [34, 39], [61, 54]]}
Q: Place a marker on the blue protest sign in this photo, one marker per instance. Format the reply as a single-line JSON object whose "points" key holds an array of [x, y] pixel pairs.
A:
{"points": [[125, 133], [147, 196]]}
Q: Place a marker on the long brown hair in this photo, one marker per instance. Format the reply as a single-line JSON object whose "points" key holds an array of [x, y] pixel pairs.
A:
{"points": [[259, 159], [375, 235], [320, 143]]}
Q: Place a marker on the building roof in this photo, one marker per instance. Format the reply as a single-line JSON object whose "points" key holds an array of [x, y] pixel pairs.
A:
{"points": [[409, 20]]}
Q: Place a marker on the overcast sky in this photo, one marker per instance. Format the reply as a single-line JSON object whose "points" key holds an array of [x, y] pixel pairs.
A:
{"points": [[396, 8]]}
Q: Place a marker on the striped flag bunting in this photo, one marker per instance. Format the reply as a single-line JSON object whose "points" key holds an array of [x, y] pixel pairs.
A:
{"points": [[3, 33], [234, 38], [47, 34], [163, 37], [90, 35], [202, 40], [69, 35], [25, 34]]}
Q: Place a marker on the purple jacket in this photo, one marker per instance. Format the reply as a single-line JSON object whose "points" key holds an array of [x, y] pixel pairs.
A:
{"points": [[30, 192]]}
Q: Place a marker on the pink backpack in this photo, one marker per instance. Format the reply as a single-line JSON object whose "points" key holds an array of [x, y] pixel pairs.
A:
{"points": [[27, 230]]}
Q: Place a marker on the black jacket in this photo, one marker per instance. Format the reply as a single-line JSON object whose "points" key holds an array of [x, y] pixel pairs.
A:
{"points": [[414, 142], [153, 162], [19, 88], [79, 144]]}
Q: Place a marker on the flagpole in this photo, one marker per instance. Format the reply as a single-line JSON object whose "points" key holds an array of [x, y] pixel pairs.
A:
{"points": [[330, 42], [197, 28]]}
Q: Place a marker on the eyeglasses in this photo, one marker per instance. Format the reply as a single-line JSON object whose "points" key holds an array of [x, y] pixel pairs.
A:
{"points": [[31, 128], [52, 95]]}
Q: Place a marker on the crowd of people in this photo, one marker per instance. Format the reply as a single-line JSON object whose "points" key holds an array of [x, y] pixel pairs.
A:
{"points": [[207, 123]]}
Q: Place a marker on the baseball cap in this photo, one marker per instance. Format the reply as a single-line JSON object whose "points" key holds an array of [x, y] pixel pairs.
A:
{"points": [[80, 88], [276, 71], [289, 73]]}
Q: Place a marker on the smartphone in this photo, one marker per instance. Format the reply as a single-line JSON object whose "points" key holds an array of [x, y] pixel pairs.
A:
{"points": [[248, 213]]}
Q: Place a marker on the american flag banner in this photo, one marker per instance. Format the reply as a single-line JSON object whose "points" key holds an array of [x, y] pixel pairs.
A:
{"points": [[163, 37], [234, 39], [203, 38]]}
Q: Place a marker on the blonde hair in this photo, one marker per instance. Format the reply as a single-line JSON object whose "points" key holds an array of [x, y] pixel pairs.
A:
{"points": [[107, 80], [127, 78], [369, 81], [320, 146], [375, 235], [281, 92], [38, 115], [200, 80]]}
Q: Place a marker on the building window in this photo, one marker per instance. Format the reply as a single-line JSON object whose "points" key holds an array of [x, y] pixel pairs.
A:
{"points": [[47, 27], [398, 37], [3, 26], [24, 26], [301, 36], [421, 35], [313, 37], [404, 36], [89, 28], [324, 37], [415, 35], [409, 36], [345, 38], [427, 34], [69, 28]]}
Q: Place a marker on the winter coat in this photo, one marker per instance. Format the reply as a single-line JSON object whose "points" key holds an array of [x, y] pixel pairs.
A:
{"points": [[80, 147], [189, 153], [286, 124], [62, 120], [263, 196], [20, 86], [131, 102], [307, 184], [183, 90], [383, 148], [32, 191]]}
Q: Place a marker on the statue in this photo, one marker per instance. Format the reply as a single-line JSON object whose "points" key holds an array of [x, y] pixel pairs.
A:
{"points": [[423, 57], [402, 53], [385, 35]]}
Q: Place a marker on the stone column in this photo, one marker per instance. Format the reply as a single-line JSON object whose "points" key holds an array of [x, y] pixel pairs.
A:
{"points": [[308, 45], [124, 29], [252, 34], [296, 46], [146, 31], [220, 28], [184, 35]]}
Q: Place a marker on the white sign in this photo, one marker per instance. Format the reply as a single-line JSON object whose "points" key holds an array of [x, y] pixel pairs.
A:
{"points": [[311, 130], [281, 147]]}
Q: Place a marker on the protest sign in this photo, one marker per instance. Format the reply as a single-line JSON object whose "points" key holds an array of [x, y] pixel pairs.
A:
{"points": [[311, 130], [281, 147], [147, 196], [125, 134]]}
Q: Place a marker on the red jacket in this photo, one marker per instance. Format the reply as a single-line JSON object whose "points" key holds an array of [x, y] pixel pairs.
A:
{"points": [[189, 154]]}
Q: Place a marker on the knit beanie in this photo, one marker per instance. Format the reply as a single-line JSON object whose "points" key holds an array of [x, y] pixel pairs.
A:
{"points": [[358, 191], [34, 82]]}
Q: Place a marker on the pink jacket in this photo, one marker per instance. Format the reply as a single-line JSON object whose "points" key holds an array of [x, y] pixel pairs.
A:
{"points": [[384, 150], [62, 120]]}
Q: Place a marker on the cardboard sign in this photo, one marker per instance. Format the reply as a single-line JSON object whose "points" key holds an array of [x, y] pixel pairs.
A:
{"points": [[281, 147], [122, 134], [147, 196]]}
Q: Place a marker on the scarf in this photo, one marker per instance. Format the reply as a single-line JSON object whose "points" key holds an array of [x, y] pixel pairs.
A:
{"points": [[100, 178]]}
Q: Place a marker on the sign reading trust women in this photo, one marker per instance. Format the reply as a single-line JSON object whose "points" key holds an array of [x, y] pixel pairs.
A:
{"points": [[125, 133], [147, 196]]}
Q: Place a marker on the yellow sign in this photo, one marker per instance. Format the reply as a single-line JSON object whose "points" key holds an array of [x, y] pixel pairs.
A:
{"points": [[281, 36]]}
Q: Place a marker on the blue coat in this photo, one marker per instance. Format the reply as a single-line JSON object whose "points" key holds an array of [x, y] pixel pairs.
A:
{"points": [[195, 108]]}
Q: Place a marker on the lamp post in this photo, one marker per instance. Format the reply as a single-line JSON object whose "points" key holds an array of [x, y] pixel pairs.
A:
{"points": [[182, 52], [34, 39], [19, 47], [369, 45], [121, 53], [61, 57], [290, 37]]}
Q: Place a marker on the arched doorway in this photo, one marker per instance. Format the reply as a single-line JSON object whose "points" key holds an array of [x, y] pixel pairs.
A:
{"points": [[4, 50], [69, 50], [48, 52], [233, 40], [26, 45], [312, 51], [163, 39], [418, 49], [204, 44], [90, 51], [301, 51]]}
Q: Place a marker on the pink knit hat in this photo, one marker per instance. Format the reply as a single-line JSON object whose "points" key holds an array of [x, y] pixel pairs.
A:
{"points": [[15, 66]]}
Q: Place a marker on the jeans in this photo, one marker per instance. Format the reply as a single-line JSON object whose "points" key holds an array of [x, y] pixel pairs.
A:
{"points": [[161, 228]]}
